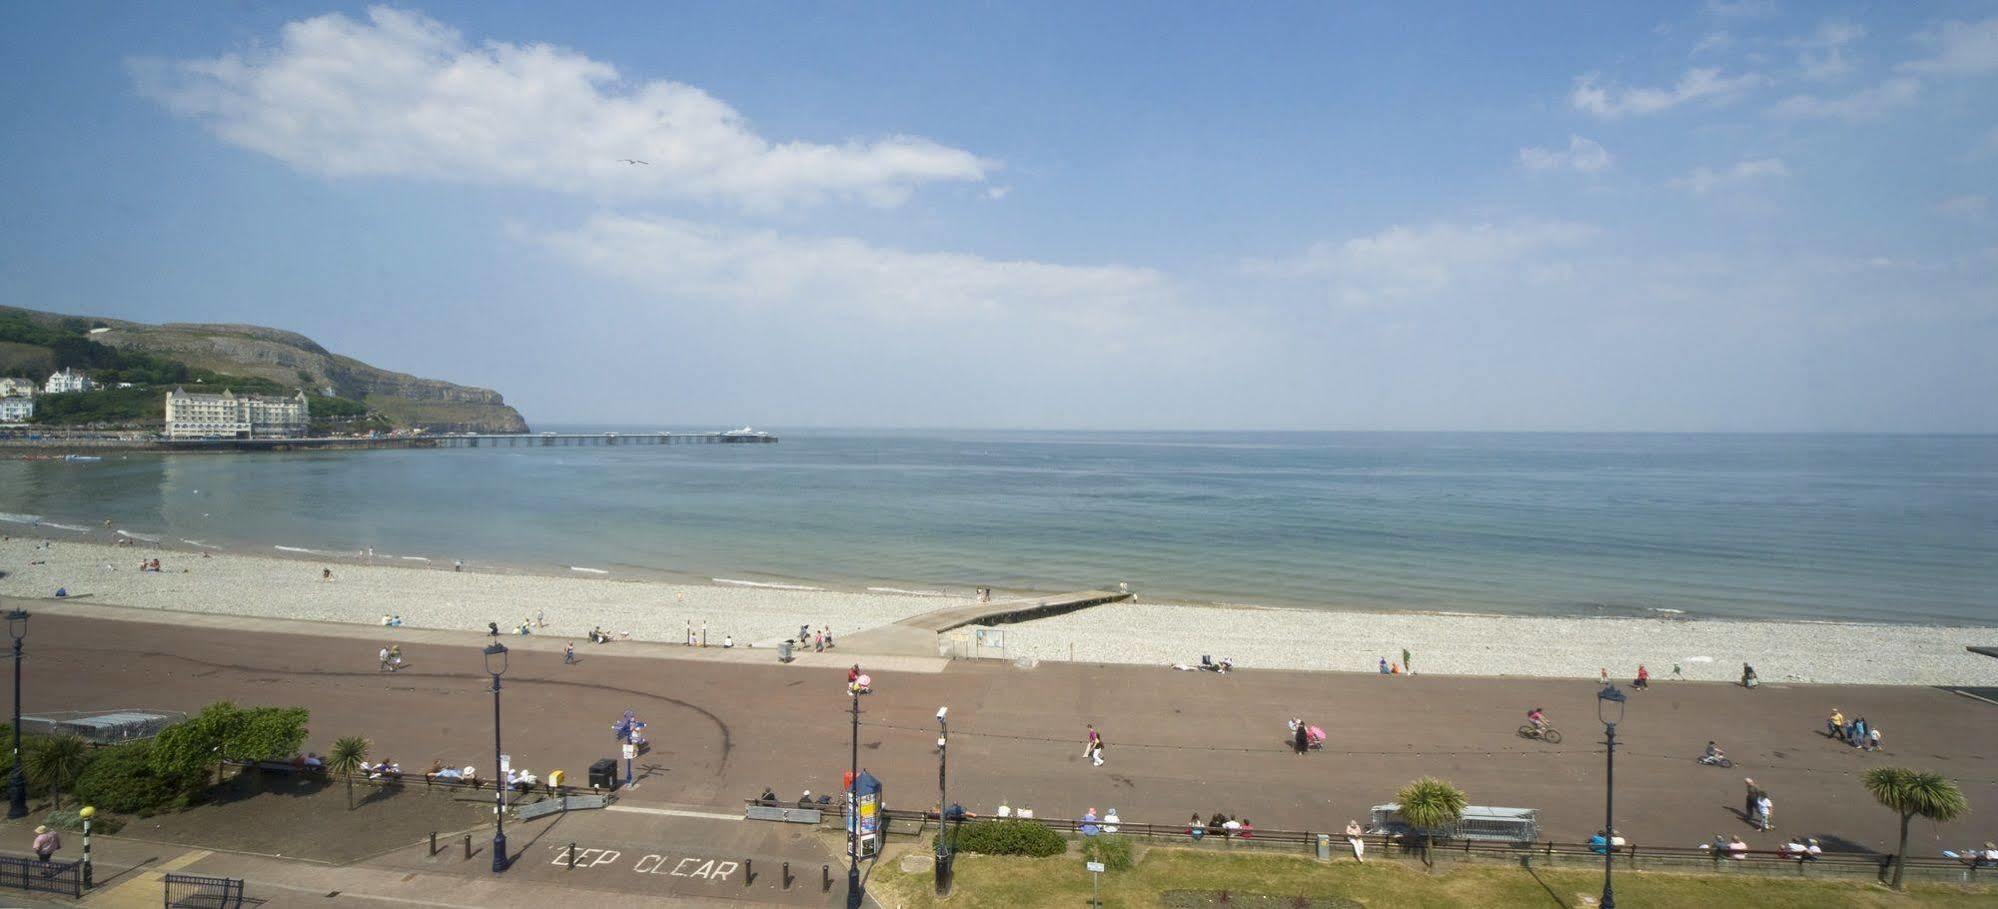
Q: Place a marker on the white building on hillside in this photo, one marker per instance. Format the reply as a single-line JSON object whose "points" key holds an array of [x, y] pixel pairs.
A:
{"points": [[233, 416], [68, 380], [17, 388], [16, 410]]}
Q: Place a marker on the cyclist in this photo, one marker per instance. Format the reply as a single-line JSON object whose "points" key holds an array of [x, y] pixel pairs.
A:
{"points": [[1538, 718], [1714, 753]]}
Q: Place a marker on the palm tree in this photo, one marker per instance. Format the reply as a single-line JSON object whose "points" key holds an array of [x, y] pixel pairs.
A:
{"points": [[1428, 805], [347, 758], [56, 761], [1913, 793]]}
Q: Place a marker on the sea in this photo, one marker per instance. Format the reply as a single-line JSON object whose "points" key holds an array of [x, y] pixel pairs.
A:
{"points": [[1871, 528]]}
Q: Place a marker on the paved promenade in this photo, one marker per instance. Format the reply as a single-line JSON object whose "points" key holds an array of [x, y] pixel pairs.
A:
{"points": [[727, 724]]}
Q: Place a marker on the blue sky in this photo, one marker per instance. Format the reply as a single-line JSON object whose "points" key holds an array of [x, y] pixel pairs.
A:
{"points": [[1733, 216]]}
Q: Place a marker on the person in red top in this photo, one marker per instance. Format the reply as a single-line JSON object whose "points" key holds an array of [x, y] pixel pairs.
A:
{"points": [[853, 675], [1643, 677]]}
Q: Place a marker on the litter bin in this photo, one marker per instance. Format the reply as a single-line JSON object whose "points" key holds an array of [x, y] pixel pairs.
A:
{"points": [[784, 651], [603, 774]]}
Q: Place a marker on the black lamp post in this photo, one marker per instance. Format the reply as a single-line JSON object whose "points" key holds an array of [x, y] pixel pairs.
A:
{"points": [[1609, 709], [944, 839], [496, 664], [17, 787], [853, 895]]}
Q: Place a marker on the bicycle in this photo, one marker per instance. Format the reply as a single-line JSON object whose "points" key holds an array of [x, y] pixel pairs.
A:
{"points": [[1547, 734]]}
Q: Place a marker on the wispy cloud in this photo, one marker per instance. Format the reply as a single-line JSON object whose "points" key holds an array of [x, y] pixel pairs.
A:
{"points": [[1704, 180], [1865, 104], [1408, 263], [1971, 206], [1741, 9], [1959, 48], [1821, 55], [403, 95], [1704, 83], [1582, 156], [772, 270], [1712, 42]]}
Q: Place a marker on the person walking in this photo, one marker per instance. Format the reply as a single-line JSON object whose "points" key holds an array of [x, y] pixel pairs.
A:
{"points": [[1763, 808], [384, 655], [1643, 677], [569, 653], [1094, 748], [1749, 801], [47, 841], [1301, 737], [1406, 666]]}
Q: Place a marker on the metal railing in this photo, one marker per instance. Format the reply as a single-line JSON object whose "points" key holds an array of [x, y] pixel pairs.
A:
{"points": [[37, 876], [195, 891]]}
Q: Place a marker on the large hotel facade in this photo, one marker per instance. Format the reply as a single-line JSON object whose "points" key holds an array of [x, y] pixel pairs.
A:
{"points": [[233, 416]]}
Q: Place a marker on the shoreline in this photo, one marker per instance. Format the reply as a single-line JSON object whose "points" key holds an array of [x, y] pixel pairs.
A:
{"points": [[430, 595]]}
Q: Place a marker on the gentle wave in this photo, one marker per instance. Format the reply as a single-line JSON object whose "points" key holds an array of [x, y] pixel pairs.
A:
{"points": [[588, 570], [147, 537], [71, 527], [912, 593], [415, 558], [20, 518], [737, 583], [319, 552], [201, 543]]}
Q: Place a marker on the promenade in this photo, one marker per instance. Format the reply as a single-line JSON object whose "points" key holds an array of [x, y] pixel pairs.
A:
{"points": [[725, 724]]}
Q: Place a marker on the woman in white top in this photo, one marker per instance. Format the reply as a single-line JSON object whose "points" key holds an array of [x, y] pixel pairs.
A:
{"points": [[1356, 837]]}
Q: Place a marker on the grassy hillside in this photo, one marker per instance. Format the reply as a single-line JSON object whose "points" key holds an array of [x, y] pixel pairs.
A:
{"points": [[347, 395]]}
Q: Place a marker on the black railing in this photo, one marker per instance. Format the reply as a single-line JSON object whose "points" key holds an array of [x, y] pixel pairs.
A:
{"points": [[194, 891], [37, 876]]}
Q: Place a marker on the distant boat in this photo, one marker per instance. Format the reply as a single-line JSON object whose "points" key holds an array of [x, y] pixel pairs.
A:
{"points": [[78, 457], [745, 431]]}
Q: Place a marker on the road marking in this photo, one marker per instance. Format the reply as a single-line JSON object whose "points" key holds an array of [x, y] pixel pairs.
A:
{"points": [[676, 812]]}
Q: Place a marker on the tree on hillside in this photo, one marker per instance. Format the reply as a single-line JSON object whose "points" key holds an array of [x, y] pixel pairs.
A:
{"points": [[346, 758], [1913, 793], [56, 761], [1430, 805]]}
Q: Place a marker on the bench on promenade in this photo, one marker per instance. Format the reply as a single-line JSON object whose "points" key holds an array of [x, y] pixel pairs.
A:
{"points": [[287, 767], [789, 814]]}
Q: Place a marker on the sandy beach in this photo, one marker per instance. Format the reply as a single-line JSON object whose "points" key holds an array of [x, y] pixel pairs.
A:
{"points": [[290, 586]]}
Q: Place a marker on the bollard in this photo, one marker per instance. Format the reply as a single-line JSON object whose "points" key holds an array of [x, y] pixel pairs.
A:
{"points": [[787, 876], [825, 878], [468, 847], [748, 871], [433, 842], [572, 856]]}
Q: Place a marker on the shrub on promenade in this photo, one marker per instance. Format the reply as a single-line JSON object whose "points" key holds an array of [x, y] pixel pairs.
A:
{"points": [[1430, 805], [72, 819], [1911, 794], [1010, 838], [346, 758], [1113, 850], [123, 778], [55, 762], [224, 732]]}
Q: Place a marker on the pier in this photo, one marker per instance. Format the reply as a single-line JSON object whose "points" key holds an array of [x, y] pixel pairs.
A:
{"points": [[517, 440]]}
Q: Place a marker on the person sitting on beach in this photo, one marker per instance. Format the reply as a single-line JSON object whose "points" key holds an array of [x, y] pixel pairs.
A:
{"points": [[492, 629], [526, 627], [385, 620], [396, 621], [1748, 677], [326, 574], [728, 641], [1384, 666]]}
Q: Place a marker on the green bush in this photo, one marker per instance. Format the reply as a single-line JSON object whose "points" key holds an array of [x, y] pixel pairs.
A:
{"points": [[123, 779], [70, 819], [1112, 850], [1010, 838]]}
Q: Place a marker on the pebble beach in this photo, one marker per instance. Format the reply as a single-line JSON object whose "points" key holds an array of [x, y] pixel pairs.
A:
{"points": [[290, 586]]}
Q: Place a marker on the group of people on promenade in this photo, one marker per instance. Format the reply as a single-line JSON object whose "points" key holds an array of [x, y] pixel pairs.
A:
{"points": [[1858, 732]]}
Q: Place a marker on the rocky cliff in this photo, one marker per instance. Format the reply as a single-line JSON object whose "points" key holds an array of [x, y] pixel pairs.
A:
{"points": [[293, 359]]}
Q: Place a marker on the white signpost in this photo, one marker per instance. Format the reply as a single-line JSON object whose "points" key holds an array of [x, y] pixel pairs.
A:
{"points": [[1095, 879]]}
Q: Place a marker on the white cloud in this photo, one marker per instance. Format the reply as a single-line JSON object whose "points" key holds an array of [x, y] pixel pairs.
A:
{"points": [[762, 268], [1704, 180], [1407, 263], [1959, 48], [1970, 206], [1741, 9], [1712, 41], [1582, 156], [1865, 104], [995, 193], [1699, 83], [1822, 55], [404, 95]]}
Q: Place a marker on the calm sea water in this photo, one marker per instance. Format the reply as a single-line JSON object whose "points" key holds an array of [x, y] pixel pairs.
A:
{"points": [[1888, 528]]}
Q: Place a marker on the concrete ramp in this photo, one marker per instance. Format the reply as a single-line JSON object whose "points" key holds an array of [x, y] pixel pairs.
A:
{"points": [[1009, 611]]}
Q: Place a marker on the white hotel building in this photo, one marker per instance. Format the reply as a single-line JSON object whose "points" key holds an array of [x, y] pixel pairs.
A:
{"points": [[67, 381], [16, 410], [232, 416]]}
